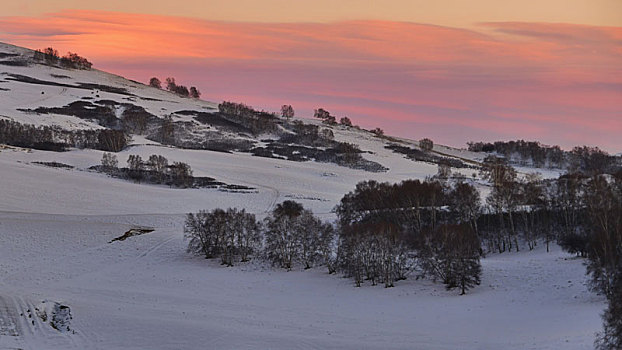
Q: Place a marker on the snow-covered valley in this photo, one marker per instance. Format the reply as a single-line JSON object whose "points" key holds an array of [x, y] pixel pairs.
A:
{"points": [[147, 292]]}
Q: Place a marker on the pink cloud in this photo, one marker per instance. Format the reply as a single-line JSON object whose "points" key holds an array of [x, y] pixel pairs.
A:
{"points": [[559, 83]]}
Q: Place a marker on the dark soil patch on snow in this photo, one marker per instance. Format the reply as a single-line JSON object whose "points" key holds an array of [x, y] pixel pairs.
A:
{"points": [[133, 232], [104, 115], [6, 54], [14, 63], [55, 165], [216, 120], [421, 156], [84, 86]]}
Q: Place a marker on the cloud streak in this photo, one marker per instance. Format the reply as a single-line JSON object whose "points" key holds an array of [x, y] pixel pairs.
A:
{"points": [[559, 83]]}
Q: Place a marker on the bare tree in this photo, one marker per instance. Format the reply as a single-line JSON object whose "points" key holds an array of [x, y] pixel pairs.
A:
{"points": [[194, 92], [155, 82], [287, 112], [109, 162], [378, 132], [170, 84], [444, 169], [167, 130], [465, 204], [111, 140], [181, 174], [451, 254], [135, 166], [426, 144], [345, 121], [325, 116], [159, 165], [226, 234]]}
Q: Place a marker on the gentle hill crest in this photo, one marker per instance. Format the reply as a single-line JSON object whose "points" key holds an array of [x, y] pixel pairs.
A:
{"points": [[91, 101]]}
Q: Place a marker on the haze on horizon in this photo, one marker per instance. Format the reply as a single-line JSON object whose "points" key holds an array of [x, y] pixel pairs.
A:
{"points": [[450, 70]]}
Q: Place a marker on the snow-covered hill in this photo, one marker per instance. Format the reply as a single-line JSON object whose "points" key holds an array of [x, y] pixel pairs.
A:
{"points": [[146, 292]]}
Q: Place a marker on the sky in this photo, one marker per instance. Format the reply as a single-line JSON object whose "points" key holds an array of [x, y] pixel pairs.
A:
{"points": [[450, 70]]}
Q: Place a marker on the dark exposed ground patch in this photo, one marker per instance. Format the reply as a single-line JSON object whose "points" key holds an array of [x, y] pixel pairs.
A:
{"points": [[86, 110], [14, 63], [133, 232], [421, 156], [55, 165], [6, 54], [155, 178], [216, 120], [220, 145], [106, 88], [4, 89], [84, 86], [60, 76], [299, 153], [103, 111], [30, 80]]}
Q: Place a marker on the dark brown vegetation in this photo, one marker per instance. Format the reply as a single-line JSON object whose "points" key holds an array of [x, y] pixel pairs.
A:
{"points": [[71, 60], [157, 170]]}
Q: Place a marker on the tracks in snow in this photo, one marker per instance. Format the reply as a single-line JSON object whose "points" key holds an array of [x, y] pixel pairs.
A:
{"points": [[9, 325], [22, 328]]}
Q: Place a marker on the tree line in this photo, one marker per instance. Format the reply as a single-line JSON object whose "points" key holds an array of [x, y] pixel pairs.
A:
{"points": [[289, 236], [371, 241], [589, 160], [156, 170], [440, 229], [257, 122], [55, 138], [71, 60], [172, 86]]}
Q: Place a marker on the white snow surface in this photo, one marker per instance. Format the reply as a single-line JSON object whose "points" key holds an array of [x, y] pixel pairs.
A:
{"points": [[146, 292]]}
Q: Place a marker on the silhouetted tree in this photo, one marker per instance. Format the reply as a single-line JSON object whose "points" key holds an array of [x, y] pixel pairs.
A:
{"points": [[73, 60], [287, 112], [378, 132], [51, 55], [155, 82], [345, 121], [194, 92], [325, 116], [426, 144]]}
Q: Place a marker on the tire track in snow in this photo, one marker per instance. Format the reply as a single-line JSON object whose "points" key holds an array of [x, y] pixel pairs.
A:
{"points": [[274, 190], [155, 247], [37, 333], [9, 325]]}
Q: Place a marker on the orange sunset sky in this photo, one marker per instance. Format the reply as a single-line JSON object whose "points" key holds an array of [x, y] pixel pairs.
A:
{"points": [[451, 70]]}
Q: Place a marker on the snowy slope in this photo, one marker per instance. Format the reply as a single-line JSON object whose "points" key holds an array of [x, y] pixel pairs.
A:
{"points": [[147, 293], [21, 95]]}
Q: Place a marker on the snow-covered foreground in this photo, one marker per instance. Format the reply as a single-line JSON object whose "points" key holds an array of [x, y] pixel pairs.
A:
{"points": [[147, 293]]}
